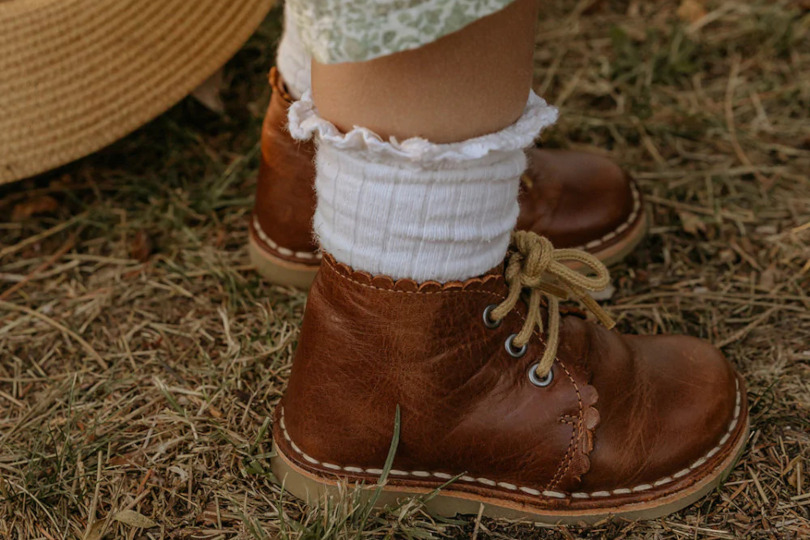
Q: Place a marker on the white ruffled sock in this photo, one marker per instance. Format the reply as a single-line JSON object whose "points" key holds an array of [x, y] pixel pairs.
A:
{"points": [[415, 209], [293, 59]]}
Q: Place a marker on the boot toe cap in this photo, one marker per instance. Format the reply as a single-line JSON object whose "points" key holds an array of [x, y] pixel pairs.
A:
{"points": [[681, 401], [575, 197]]}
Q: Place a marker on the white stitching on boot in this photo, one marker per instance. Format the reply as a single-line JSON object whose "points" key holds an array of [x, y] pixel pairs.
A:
{"points": [[621, 228], [284, 251], [531, 491]]}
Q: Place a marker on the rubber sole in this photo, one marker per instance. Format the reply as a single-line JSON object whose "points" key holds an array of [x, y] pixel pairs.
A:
{"points": [[278, 271], [617, 251], [448, 502]]}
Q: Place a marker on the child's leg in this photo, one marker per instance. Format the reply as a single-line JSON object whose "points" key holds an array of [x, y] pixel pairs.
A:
{"points": [[426, 209]]}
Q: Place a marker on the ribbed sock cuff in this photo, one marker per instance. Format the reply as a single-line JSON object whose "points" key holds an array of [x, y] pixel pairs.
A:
{"points": [[416, 209]]}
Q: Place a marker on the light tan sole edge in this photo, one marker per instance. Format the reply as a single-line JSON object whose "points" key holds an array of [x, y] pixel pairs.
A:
{"points": [[313, 489], [618, 251], [279, 271]]}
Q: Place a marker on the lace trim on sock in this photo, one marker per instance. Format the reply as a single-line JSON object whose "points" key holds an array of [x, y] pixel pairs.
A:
{"points": [[304, 122]]}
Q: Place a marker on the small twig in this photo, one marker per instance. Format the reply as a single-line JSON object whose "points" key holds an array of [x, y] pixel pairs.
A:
{"points": [[709, 18], [739, 334], [648, 143], [569, 88], [732, 130], [39, 269], [726, 214], [800, 228], [478, 521], [91, 513], [45, 533], [41, 236], [761, 491], [44, 318]]}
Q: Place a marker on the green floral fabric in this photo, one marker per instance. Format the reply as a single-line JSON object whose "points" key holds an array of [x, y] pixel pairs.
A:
{"points": [[358, 30]]}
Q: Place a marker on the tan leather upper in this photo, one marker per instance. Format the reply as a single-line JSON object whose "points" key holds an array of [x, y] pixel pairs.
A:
{"points": [[285, 193], [621, 411], [572, 198]]}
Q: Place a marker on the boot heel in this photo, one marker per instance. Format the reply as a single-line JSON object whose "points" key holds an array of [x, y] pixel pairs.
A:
{"points": [[279, 271], [297, 483]]}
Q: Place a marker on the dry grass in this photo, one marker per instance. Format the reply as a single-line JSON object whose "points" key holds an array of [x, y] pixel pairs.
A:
{"points": [[140, 357]]}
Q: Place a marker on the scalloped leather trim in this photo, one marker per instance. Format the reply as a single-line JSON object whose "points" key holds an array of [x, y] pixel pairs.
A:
{"points": [[582, 441], [493, 277]]}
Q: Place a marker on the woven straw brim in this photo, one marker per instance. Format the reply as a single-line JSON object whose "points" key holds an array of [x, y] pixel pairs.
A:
{"points": [[76, 75]]}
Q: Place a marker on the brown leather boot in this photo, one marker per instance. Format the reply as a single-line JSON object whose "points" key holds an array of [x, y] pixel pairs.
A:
{"points": [[496, 411], [575, 199], [282, 245]]}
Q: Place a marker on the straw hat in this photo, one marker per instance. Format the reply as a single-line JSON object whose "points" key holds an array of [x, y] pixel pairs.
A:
{"points": [[75, 75]]}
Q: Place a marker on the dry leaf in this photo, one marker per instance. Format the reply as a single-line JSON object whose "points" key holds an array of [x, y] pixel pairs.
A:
{"points": [[767, 279], [38, 205], [691, 223], [96, 531], [208, 93], [636, 33], [141, 247], [727, 256], [691, 10], [134, 519]]}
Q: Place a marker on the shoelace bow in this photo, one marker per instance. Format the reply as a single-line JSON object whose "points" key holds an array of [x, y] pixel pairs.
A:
{"points": [[535, 265]]}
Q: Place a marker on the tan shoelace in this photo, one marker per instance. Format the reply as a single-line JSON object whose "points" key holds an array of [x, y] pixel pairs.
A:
{"points": [[537, 266]]}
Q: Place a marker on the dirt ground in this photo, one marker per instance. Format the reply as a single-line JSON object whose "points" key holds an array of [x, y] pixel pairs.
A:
{"points": [[141, 357]]}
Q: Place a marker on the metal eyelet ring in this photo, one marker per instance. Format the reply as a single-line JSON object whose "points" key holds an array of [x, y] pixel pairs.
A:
{"points": [[510, 348], [537, 381], [488, 322]]}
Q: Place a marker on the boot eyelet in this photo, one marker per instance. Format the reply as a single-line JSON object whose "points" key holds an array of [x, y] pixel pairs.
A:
{"points": [[510, 348], [537, 381], [488, 322]]}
